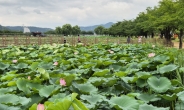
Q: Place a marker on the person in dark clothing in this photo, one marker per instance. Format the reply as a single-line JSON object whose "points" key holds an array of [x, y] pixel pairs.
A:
{"points": [[79, 39], [128, 40], [64, 41]]}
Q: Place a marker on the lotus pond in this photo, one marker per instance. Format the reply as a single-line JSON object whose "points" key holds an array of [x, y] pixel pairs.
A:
{"points": [[97, 77]]}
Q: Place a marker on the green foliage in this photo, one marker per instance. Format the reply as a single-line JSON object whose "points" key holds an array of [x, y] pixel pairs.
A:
{"points": [[95, 78], [159, 85]]}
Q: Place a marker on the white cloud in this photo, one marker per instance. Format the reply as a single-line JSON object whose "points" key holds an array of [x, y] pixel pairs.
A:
{"points": [[54, 13]]}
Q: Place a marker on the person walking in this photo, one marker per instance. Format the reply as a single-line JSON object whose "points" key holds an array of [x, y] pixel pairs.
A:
{"points": [[128, 40]]}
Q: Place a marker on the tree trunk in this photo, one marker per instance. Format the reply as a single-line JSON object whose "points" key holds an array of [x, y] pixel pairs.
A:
{"points": [[146, 35], [168, 36], [161, 34], [180, 39], [152, 35]]}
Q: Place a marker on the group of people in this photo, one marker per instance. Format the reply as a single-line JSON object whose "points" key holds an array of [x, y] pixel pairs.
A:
{"points": [[139, 39]]}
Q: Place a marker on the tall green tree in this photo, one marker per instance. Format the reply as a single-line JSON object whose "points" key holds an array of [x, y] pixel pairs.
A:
{"points": [[166, 22], [67, 29], [76, 30], [99, 30], [58, 30]]}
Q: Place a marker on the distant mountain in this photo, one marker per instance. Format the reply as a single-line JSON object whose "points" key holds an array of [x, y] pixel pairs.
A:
{"points": [[31, 28], [91, 28], [39, 29]]}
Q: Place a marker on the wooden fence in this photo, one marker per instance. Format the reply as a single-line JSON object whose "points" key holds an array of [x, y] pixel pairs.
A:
{"points": [[6, 41]]}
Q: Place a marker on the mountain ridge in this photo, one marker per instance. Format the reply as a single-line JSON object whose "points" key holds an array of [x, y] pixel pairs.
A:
{"points": [[40, 29]]}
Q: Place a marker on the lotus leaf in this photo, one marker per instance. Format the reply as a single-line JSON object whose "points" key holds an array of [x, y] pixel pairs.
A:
{"points": [[124, 102], [148, 97], [159, 85], [150, 107], [167, 68], [85, 88], [3, 66], [46, 91]]}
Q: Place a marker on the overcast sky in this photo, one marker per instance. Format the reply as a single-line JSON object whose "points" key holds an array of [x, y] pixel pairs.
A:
{"points": [[53, 13]]}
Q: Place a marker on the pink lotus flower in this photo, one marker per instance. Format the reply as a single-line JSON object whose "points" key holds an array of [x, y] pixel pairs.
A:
{"points": [[29, 77], [111, 52], [153, 46], [55, 63], [151, 55], [40, 107], [62, 82], [14, 61], [75, 53]]}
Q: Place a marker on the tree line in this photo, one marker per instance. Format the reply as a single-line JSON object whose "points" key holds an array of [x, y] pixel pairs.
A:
{"points": [[165, 19], [67, 29]]}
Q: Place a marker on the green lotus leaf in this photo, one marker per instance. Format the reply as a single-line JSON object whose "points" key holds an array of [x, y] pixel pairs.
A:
{"points": [[176, 82], [124, 103], [123, 86], [179, 105], [34, 99], [115, 68], [7, 90], [148, 97], [168, 97], [88, 65], [92, 99], [34, 66], [109, 62], [21, 84], [45, 65], [129, 79], [34, 86], [176, 89], [11, 83], [14, 99], [101, 73], [57, 96], [24, 101], [6, 107], [64, 104], [181, 70], [167, 68], [96, 81], [143, 75], [161, 58], [85, 88], [133, 94], [120, 74], [4, 51], [44, 73], [141, 83], [3, 66], [151, 107], [143, 64], [9, 77], [69, 79], [181, 96], [78, 105], [33, 107], [110, 81], [46, 91], [12, 72], [22, 65], [159, 85]]}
